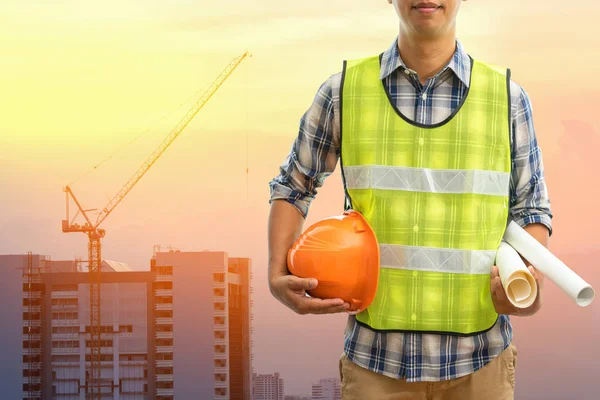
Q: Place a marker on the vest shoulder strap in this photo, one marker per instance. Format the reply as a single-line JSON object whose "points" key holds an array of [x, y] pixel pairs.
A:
{"points": [[368, 62], [375, 60], [503, 71]]}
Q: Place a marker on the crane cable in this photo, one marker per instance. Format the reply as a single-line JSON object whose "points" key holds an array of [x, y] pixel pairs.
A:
{"points": [[150, 127]]}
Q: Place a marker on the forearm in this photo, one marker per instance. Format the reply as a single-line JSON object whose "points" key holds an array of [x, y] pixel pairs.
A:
{"points": [[540, 233], [313, 157], [530, 203], [284, 227]]}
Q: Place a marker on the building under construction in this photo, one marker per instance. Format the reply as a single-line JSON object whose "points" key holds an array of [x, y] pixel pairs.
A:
{"points": [[180, 330]]}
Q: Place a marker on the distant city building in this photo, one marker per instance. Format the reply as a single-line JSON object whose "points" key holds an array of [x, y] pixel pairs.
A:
{"points": [[159, 328], [268, 387], [211, 357], [327, 389]]}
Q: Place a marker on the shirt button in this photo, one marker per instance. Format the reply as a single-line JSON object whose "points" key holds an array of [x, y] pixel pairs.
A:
{"points": [[421, 141], [416, 228], [415, 273], [424, 96], [407, 72], [414, 317]]}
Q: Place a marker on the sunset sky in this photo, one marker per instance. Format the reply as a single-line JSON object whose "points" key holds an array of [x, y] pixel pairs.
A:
{"points": [[80, 80]]}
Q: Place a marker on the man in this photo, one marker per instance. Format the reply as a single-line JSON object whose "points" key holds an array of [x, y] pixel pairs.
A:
{"points": [[402, 125]]}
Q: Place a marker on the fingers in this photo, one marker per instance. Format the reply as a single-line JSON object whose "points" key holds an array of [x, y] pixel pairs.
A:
{"points": [[539, 279], [494, 285], [537, 275], [312, 305], [297, 284], [494, 280], [496, 288], [302, 304]]}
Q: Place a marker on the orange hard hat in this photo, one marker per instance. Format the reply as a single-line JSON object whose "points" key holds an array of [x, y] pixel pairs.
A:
{"points": [[342, 253]]}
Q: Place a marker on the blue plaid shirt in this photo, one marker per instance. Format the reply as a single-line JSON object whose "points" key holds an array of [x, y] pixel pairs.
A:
{"points": [[314, 156]]}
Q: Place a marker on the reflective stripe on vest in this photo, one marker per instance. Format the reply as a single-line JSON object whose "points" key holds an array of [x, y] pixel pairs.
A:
{"points": [[437, 260], [427, 180], [436, 197]]}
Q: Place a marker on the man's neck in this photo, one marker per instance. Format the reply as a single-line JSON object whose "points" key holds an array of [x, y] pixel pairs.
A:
{"points": [[426, 57]]}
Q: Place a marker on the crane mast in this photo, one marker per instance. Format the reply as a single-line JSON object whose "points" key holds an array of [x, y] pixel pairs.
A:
{"points": [[93, 381]]}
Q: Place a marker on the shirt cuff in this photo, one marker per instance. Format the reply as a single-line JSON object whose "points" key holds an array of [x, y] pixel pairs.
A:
{"points": [[543, 219], [300, 201]]}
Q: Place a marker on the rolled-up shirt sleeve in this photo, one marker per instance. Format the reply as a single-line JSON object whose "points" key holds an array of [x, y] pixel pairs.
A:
{"points": [[314, 152], [530, 201]]}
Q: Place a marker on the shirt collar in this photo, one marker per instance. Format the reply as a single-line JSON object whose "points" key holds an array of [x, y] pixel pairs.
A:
{"points": [[460, 63]]}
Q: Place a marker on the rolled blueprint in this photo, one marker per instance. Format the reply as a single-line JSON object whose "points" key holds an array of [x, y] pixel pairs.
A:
{"points": [[519, 284], [549, 265]]}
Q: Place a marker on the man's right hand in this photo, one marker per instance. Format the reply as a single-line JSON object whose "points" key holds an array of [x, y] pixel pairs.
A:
{"points": [[291, 291]]}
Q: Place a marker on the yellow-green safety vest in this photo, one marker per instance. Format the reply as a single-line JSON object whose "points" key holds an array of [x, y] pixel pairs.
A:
{"points": [[435, 195]]}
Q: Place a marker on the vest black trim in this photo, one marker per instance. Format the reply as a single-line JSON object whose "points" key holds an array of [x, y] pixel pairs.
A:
{"points": [[347, 199], [426, 126], [429, 332]]}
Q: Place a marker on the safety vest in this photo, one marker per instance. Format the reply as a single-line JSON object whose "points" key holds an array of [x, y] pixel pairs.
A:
{"points": [[436, 197]]}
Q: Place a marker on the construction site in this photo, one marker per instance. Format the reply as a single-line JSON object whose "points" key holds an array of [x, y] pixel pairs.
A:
{"points": [[98, 329]]}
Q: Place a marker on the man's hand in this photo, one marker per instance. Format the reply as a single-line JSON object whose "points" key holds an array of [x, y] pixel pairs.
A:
{"points": [[503, 306], [291, 291], [501, 302], [285, 226]]}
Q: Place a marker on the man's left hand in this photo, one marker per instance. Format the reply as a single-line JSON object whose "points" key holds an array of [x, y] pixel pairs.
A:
{"points": [[501, 302]]}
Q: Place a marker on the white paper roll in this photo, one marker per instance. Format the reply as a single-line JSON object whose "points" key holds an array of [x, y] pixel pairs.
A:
{"points": [[519, 285], [548, 264]]}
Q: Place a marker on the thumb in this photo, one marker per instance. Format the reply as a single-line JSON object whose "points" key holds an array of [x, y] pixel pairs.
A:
{"points": [[297, 283], [495, 271]]}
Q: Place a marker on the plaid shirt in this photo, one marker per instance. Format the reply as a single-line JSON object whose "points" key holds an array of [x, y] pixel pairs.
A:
{"points": [[314, 156]]}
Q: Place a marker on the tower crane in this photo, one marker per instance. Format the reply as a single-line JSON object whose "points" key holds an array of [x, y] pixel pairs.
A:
{"points": [[95, 234]]}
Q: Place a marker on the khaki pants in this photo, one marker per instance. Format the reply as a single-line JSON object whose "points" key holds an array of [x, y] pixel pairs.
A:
{"points": [[495, 381]]}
